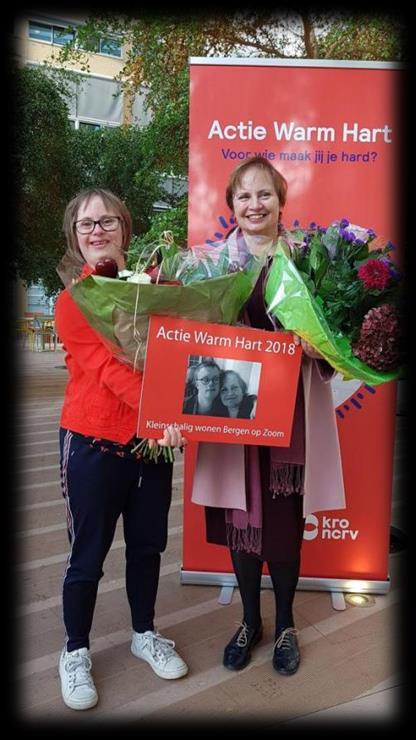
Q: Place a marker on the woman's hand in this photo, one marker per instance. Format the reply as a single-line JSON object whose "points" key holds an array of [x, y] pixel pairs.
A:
{"points": [[307, 348], [172, 437]]}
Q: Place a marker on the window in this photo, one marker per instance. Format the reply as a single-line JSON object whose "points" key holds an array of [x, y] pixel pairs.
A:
{"points": [[49, 33], [77, 124], [86, 124], [110, 46], [40, 32], [107, 45], [62, 36]]}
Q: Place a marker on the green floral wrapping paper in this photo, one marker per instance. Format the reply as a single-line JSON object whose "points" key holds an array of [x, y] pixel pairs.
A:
{"points": [[119, 311], [288, 298]]}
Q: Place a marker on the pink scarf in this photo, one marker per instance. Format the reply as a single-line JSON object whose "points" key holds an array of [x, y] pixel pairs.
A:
{"points": [[244, 528]]}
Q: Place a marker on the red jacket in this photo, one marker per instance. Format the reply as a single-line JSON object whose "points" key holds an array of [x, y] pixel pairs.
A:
{"points": [[102, 395]]}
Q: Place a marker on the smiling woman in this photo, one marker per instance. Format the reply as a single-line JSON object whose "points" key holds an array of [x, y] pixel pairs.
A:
{"points": [[260, 515], [256, 195], [102, 464], [202, 388], [234, 397], [97, 224], [100, 230]]}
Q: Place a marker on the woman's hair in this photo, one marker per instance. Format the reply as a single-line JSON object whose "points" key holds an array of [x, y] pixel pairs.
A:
{"points": [[193, 370], [191, 389], [226, 373], [110, 201], [279, 182]]}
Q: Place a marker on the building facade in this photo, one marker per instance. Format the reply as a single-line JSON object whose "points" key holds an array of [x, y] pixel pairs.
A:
{"points": [[97, 100]]}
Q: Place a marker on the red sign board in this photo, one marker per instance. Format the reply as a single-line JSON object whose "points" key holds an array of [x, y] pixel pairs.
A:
{"points": [[219, 383], [340, 160]]}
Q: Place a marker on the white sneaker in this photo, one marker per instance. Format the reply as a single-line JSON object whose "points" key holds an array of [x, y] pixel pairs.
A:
{"points": [[77, 686], [159, 653]]}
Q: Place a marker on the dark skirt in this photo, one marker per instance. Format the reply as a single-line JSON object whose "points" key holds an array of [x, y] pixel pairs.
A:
{"points": [[283, 521]]}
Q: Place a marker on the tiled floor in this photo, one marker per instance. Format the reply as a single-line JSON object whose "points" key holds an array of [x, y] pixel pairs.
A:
{"points": [[349, 668]]}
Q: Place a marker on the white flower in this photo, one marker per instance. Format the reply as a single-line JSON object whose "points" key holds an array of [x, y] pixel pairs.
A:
{"points": [[359, 232], [139, 277]]}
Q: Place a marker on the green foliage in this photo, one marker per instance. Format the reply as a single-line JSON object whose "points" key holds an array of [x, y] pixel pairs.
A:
{"points": [[41, 156], [114, 158], [328, 262], [366, 37], [173, 220], [53, 162], [166, 136], [158, 47]]}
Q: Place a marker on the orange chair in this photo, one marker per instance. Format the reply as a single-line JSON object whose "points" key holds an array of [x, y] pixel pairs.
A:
{"points": [[25, 332]]}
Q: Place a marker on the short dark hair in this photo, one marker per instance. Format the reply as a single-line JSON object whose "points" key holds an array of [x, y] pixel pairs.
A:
{"points": [[207, 362]]}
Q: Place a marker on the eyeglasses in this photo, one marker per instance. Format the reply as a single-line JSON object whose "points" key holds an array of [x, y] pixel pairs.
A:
{"points": [[205, 381], [87, 225]]}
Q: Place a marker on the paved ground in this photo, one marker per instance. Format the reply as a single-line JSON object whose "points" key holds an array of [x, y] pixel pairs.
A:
{"points": [[349, 667]]}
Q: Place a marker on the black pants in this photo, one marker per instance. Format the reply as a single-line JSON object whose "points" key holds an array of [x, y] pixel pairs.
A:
{"points": [[98, 487]]}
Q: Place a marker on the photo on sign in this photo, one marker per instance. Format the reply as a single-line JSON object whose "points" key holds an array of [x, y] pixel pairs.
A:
{"points": [[218, 386], [232, 384]]}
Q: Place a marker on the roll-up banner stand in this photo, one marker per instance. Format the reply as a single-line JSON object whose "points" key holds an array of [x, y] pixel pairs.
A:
{"points": [[332, 129]]}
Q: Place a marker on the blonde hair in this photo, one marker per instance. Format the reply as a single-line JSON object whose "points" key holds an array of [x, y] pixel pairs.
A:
{"points": [[71, 212]]}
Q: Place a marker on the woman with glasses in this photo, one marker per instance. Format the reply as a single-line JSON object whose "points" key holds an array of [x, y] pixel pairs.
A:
{"points": [[202, 388], [102, 475]]}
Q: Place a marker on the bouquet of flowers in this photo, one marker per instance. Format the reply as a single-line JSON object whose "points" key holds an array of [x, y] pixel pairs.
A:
{"points": [[340, 290], [204, 283]]}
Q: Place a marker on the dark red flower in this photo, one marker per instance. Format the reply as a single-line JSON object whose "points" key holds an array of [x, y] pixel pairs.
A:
{"points": [[374, 274], [380, 340]]}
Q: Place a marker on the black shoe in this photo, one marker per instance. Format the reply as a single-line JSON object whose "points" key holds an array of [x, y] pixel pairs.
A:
{"points": [[286, 655], [238, 651]]}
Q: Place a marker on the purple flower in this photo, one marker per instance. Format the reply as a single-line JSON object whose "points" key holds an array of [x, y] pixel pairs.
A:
{"points": [[394, 272], [344, 223], [347, 235]]}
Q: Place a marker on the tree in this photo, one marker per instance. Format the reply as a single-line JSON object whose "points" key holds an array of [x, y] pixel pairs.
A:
{"points": [[172, 220], [40, 156], [53, 162], [367, 38], [158, 48], [115, 158]]}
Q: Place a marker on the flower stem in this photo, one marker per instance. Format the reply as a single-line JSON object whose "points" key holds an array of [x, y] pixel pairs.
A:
{"points": [[152, 454]]}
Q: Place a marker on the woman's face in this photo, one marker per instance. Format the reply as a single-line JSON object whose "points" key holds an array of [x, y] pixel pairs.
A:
{"points": [[207, 382], [256, 204], [99, 243], [231, 391]]}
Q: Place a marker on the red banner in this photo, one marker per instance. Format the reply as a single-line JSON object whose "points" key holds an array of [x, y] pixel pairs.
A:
{"points": [[332, 129], [247, 371]]}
